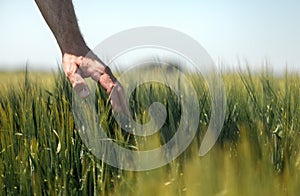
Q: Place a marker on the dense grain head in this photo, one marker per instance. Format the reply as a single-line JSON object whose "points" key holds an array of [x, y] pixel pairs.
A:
{"points": [[257, 152]]}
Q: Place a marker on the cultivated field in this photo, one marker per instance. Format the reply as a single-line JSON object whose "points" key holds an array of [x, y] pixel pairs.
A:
{"points": [[257, 152]]}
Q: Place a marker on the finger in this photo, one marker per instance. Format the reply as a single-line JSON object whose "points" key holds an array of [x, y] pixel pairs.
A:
{"points": [[72, 72], [123, 103], [118, 101], [80, 86]]}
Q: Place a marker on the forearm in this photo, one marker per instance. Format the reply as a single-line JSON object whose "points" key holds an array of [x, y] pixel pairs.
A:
{"points": [[78, 61], [60, 17]]}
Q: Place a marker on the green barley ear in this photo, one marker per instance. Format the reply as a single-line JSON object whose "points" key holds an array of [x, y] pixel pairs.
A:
{"points": [[41, 151]]}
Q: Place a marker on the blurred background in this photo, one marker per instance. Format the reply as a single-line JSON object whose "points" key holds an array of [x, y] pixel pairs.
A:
{"points": [[231, 31]]}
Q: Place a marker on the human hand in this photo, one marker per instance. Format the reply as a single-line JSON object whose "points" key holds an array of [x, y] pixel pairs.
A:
{"points": [[77, 67]]}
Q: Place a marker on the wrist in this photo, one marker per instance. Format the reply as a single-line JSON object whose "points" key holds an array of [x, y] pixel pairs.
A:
{"points": [[73, 45], [75, 49]]}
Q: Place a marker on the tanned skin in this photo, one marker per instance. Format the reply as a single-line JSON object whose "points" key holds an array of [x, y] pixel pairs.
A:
{"points": [[77, 59]]}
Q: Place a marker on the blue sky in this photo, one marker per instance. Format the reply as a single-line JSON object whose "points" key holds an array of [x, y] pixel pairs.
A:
{"points": [[228, 30]]}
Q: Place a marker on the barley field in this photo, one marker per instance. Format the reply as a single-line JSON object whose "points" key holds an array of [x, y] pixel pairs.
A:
{"points": [[257, 153]]}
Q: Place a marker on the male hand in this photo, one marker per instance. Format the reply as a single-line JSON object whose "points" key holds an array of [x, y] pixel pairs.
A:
{"points": [[77, 67]]}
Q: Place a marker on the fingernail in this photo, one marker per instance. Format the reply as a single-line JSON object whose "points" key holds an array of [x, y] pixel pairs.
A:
{"points": [[84, 93], [82, 90]]}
